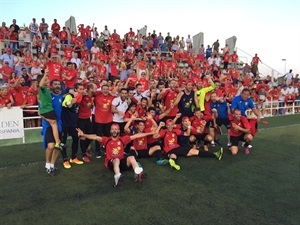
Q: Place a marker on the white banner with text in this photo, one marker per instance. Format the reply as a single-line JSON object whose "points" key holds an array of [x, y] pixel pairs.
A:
{"points": [[11, 123]]}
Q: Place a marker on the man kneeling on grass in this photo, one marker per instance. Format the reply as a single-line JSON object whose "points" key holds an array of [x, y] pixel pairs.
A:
{"points": [[115, 159], [239, 131]]}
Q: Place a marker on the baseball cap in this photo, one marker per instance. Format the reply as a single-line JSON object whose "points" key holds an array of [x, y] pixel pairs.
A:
{"points": [[169, 122]]}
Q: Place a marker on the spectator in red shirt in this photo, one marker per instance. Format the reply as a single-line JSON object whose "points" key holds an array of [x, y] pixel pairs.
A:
{"points": [[55, 27], [6, 99], [6, 70], [234, 59], [63, 36], [19, 92], [55, 68], [30, 100], [254, 65], [70, 76]]}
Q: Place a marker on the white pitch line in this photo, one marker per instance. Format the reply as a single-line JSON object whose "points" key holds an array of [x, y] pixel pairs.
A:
{"points": [[269, 128]]}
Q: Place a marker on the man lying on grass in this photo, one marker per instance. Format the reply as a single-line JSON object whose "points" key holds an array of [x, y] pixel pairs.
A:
{"points": [[115, 159]]}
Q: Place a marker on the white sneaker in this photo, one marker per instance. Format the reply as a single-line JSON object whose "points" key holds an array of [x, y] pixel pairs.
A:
{"points": [[243, 143], [138, 170], [118, 179]]}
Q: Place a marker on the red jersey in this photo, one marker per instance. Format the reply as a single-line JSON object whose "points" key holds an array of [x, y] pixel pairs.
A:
{"points": [[55, 70], [5, 99], [275, 93], [170, 139], [63, 35], [169, 98], [132, 81], [72, 38], [140, 143], [71, 73], [114, 148], [234, 57], [85, 107], [242, 123], [31, 100], [255, 60], [68, 53], [6, 71], [145, 83], [85, 55], [113, 69], [55, 28], [19, 96], [102, 71], [199, 124], [103, 108], [226, 58], [141, 111]]}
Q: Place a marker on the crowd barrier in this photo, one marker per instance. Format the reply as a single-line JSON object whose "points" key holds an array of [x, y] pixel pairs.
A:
{"points": [[12, 121]]}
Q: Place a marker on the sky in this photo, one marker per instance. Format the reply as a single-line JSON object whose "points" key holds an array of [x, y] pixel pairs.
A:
{"points": [[270, 28]]}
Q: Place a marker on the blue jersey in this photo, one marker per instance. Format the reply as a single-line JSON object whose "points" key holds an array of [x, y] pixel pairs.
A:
{"points": [[208, 52], [221, 108], [243, 105], [57, 107]]}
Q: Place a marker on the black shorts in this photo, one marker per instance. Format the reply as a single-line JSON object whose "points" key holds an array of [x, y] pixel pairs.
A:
{"points": [[235, 140], [85, 125], [50, 115], [223, 121], [123, 165], [201, 137], [49, 136], [143, 153], [180, 151], [150, 145]]}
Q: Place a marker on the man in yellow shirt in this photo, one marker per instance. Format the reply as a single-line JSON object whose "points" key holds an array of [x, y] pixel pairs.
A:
{"points": [[201, 92]]}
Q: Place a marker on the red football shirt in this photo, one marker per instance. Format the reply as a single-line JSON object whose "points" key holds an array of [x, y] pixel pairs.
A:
{"points": [[103, 108], [85, 107], [55, 70], [114, 148], [242, 123], [19, 96], [71, 73], [68, 53], [169, 97], [140, 143], [170, 139]]}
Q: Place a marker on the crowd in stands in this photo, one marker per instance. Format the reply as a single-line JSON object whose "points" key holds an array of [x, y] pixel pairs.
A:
{"points": [[139, 83], [106, 55]]}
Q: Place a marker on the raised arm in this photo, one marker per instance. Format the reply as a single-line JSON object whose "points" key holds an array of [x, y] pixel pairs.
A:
{"points": [[140, 135], [88, 136]]}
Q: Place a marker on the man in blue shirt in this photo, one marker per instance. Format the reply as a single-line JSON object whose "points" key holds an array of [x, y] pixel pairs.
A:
{"points": [[52, 153], [219, 111], [243, 102], [208, 51]]}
